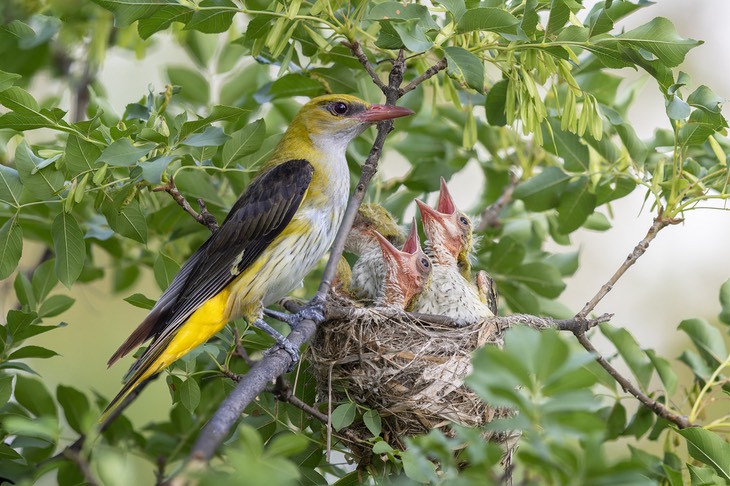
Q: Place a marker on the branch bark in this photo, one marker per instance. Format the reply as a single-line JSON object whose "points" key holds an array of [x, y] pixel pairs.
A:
{"points": [[277, 363], [204, 217], [660, 222]]}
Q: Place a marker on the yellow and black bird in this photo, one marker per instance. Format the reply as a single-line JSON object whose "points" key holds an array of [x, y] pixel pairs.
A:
{"points": [[279, 228]]}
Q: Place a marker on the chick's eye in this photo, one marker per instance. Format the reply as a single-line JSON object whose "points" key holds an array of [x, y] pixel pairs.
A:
{"points": [[339, 108], [463, 220], [425, 262]]}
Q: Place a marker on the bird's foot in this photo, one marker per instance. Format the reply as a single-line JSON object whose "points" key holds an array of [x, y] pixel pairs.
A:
{"points": [[313, 310], [281, 343]]}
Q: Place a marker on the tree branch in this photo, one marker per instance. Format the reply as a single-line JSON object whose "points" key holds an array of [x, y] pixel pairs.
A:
{"points": [[357, 51], [490, 216], [658, 408], [204, 218], [428, 73], [277, 363], [660, 222], [75, 456], [576, 324]]}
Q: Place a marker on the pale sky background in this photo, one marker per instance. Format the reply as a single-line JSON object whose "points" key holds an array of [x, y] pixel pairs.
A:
{"points": [[677, 278]]}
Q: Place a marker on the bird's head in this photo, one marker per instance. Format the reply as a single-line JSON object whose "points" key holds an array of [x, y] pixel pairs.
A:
{"points": [[448, 229], [337, 119], [372, 217], [407, 271]]}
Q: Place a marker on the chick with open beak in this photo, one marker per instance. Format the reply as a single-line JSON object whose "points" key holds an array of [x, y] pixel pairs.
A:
{"points": [[450, 239], [407, 271]]}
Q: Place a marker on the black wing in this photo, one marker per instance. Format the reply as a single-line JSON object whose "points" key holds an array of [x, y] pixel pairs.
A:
{"points": [[260, 215]]}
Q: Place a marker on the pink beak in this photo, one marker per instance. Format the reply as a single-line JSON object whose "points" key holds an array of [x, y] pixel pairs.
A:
{"points": [[412, 245], [378, 113], [446, 203], [387, 247]]}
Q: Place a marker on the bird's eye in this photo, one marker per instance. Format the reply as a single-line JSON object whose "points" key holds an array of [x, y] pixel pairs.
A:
{"points": [[425, 262], [463, 220], [339, 108]]}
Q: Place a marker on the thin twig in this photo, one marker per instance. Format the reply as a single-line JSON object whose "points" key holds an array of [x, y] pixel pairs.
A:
{"points": [[204, 217], [490, 216], [659, 223], [276, 363], [240, 350], [428, 73], [83, 465], [657, 407], [357, 51], [577, 324]]}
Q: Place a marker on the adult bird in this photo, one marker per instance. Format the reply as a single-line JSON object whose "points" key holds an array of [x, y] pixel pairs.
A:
{"points": [[451, 292], [406, 273], [366, 281], [280, 227]]}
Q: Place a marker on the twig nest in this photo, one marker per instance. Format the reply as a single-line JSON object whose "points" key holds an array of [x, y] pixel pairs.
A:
{"points": [[408, 370]]}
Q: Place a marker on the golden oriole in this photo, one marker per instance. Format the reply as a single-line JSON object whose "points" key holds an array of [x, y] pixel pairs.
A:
{"points": [[280, 227]]}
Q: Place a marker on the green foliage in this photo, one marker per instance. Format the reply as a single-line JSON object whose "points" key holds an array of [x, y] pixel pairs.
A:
{"points": [[556, 115]]}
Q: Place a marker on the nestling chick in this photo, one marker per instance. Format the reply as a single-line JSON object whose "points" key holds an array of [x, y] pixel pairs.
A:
{"points": [[406, 273]]}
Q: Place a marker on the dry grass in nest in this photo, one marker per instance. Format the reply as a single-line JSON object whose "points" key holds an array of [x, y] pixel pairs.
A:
{"points": [[409, 371]]}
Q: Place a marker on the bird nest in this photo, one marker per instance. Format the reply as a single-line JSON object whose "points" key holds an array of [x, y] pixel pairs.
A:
{"points": [[410, 371]]}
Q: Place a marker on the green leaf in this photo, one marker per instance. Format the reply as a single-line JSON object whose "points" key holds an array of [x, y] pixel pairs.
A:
{"points": [[7, 79], [413, 35], [162, 18], [343, 416], [677, 108], [576, 204], [11, 247], [32, 352], [6, 389], [488, 19], [244, 142], [466, 67], [33, 395], [130, 222], [665, 371], [80, 155], [128, 11], [216, 17], [212, 136], [295, 85], [661, 39], [218, 113], [69, 247], [708, 448], [382, 447], [542, 191], [566, 145], [195, 87], [495, 103], [10, 186], [189, 392], [44, 183], [704, 98], [75, 406], [165, 270], [707, 339], [725, 302], [141, 301], [372, 421], [559, 15], [44, 279], [123, 152], [418, 468], [55, 305], [398, 13], [152, 170], [544, 279], [287, 444], [630, 351]]}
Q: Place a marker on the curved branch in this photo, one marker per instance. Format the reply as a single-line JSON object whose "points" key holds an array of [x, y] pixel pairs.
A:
{"points": [[204, 217]]}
